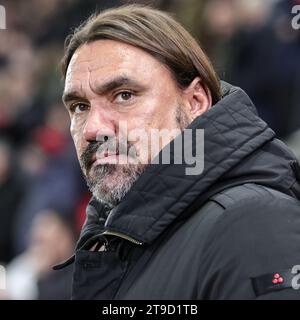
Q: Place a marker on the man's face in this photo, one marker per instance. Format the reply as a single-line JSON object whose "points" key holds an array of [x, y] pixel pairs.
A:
{"points": [[111, 91]]}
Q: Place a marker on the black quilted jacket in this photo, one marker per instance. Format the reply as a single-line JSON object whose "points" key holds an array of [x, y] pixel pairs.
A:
{"points": [[232, 232]]}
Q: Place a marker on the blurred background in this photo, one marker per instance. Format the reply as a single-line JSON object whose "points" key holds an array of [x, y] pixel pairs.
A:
{"points": [[42, 194]]}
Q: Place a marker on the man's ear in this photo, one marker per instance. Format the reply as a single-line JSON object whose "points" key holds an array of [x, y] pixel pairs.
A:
{"points": [[197, 98]]}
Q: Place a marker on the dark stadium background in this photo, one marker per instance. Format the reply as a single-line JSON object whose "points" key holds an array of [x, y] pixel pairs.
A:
{"points": [[42, 194]]}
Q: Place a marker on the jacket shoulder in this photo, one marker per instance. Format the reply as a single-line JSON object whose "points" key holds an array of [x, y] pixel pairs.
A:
{"points": [[256, 234], [253, 212], [247, 194], [246, 205]]}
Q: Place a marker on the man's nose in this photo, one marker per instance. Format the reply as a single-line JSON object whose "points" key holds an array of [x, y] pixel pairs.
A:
{"points": [[99, 125]]}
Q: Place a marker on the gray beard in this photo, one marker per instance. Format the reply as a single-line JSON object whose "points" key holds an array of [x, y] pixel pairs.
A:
{"points": [[111, 182]]}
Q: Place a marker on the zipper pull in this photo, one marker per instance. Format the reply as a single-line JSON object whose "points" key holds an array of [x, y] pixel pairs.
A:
{"points": [[100, 246]]}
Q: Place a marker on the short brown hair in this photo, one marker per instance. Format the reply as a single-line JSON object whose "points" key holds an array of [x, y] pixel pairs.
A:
{"points": [[155, 32]]}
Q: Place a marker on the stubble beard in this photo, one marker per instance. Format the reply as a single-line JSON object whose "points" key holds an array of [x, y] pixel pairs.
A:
{"points": [[109, 183]]}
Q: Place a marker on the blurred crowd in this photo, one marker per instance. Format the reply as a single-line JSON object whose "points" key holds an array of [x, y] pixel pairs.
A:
{"points": [[42, 193]]}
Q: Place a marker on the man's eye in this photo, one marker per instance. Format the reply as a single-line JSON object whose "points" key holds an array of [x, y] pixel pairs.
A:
{"points": [[79, 107], [123, 96]]}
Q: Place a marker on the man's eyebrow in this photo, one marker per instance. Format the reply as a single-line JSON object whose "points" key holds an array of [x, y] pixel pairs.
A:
{"points": [[71, 96], [116, 83], [104, 88]]}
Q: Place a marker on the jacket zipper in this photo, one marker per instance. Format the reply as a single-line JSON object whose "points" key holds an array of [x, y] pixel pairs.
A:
{"points": [[123, 236], [112, 233]]}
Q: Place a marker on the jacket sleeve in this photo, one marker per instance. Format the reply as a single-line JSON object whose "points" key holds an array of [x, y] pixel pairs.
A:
{"points": [[252, 250]]}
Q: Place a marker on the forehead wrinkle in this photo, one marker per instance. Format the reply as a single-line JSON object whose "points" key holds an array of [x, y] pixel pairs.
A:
{"points": [[90, 73], [105, 74], [77, 63]]}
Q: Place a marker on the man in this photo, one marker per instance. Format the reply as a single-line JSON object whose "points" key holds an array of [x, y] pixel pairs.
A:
{"points": [[154, 228]]}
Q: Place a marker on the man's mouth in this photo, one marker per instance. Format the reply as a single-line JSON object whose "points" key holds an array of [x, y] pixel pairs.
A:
{"points": [[106, 156], [98, 154]]}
